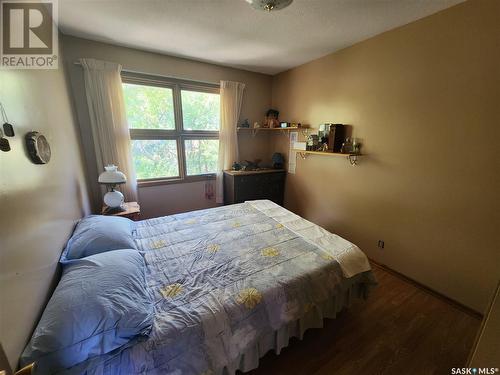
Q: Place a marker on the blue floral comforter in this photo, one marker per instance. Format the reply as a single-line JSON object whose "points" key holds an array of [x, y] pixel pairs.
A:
{"points": [[227, 282]]}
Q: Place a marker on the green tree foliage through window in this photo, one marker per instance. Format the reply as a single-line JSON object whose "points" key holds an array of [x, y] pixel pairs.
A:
{"points": [[200, 110], [201, 156], [153, 158], [155, 135], [149, 107]]}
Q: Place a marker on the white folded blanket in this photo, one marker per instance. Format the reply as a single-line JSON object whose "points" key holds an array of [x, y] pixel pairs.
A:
{"points": [[351, 259]]}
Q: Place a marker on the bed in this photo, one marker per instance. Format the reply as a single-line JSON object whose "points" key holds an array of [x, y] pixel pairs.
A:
{"points": [[229, 284]]}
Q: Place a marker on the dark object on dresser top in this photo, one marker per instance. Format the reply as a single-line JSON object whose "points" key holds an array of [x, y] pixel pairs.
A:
{"points": [[278, 161], [241, 186]]}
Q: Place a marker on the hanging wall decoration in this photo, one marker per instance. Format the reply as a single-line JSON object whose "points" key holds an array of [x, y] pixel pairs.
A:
{"points": [[38, 148], [4, 143], [8, 131]]}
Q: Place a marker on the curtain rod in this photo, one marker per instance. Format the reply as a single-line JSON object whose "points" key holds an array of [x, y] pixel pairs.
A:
{"points": [[78, 63]]}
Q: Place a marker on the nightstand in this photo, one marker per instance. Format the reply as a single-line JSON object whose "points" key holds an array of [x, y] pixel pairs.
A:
{"points": [[132, 211]]}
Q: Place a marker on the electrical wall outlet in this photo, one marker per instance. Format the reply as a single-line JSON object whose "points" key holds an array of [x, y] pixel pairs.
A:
{"points": [[381, 244]]}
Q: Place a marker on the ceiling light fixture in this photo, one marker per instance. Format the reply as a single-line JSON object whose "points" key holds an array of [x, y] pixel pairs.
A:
{"points": [[269, 5]]}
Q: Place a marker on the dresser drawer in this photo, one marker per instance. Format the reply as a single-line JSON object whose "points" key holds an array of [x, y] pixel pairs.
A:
{"points": [[240, 188]]}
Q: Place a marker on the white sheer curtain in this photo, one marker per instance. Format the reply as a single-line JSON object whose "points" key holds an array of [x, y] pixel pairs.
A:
{"points": [[231, 95], [103, 88]]}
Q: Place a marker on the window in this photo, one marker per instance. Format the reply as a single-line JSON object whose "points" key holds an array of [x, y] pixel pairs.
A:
{"points": [[199, 156], [200, 110], [174, 127]]}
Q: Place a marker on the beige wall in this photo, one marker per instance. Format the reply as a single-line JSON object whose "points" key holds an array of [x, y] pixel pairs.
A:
{"points": [[39, 204], [164, 200], [159, 200], [425, 100]]}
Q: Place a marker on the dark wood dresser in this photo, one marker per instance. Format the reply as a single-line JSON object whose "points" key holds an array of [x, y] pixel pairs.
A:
{"points": [[241, 186]]}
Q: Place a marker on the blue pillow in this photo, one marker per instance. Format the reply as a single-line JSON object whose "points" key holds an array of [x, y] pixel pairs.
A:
{"points": [[97, 233], [100, 304]]}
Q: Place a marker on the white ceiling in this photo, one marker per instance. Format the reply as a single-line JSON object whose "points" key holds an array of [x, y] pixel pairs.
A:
{"points": [[231, 33]]}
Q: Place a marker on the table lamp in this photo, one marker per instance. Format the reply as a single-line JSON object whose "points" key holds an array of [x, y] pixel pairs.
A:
{"points": [[112, 177]]}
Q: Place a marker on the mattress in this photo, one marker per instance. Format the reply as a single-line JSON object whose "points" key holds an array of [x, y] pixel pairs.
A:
{"points": [[231, 283]]}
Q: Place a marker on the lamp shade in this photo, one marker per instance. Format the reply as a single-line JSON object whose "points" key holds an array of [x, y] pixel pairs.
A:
{"points": [[112, 176]]}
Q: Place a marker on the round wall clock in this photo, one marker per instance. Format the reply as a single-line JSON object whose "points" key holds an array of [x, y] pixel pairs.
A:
{"points": [[38, 148]]}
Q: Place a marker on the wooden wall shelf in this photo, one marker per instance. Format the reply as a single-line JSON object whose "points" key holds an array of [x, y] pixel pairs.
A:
{"points": [[284, 131], [353, 158]]}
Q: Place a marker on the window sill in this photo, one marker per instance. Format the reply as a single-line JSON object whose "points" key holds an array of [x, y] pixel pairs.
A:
{"points": [[172, 181]]}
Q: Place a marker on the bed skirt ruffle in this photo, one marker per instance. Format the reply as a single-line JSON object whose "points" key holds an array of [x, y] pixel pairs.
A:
{"points": [[279, 339]]}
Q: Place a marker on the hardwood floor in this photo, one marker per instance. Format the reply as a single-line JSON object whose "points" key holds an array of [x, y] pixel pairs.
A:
{"points": [[401, 329]]}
